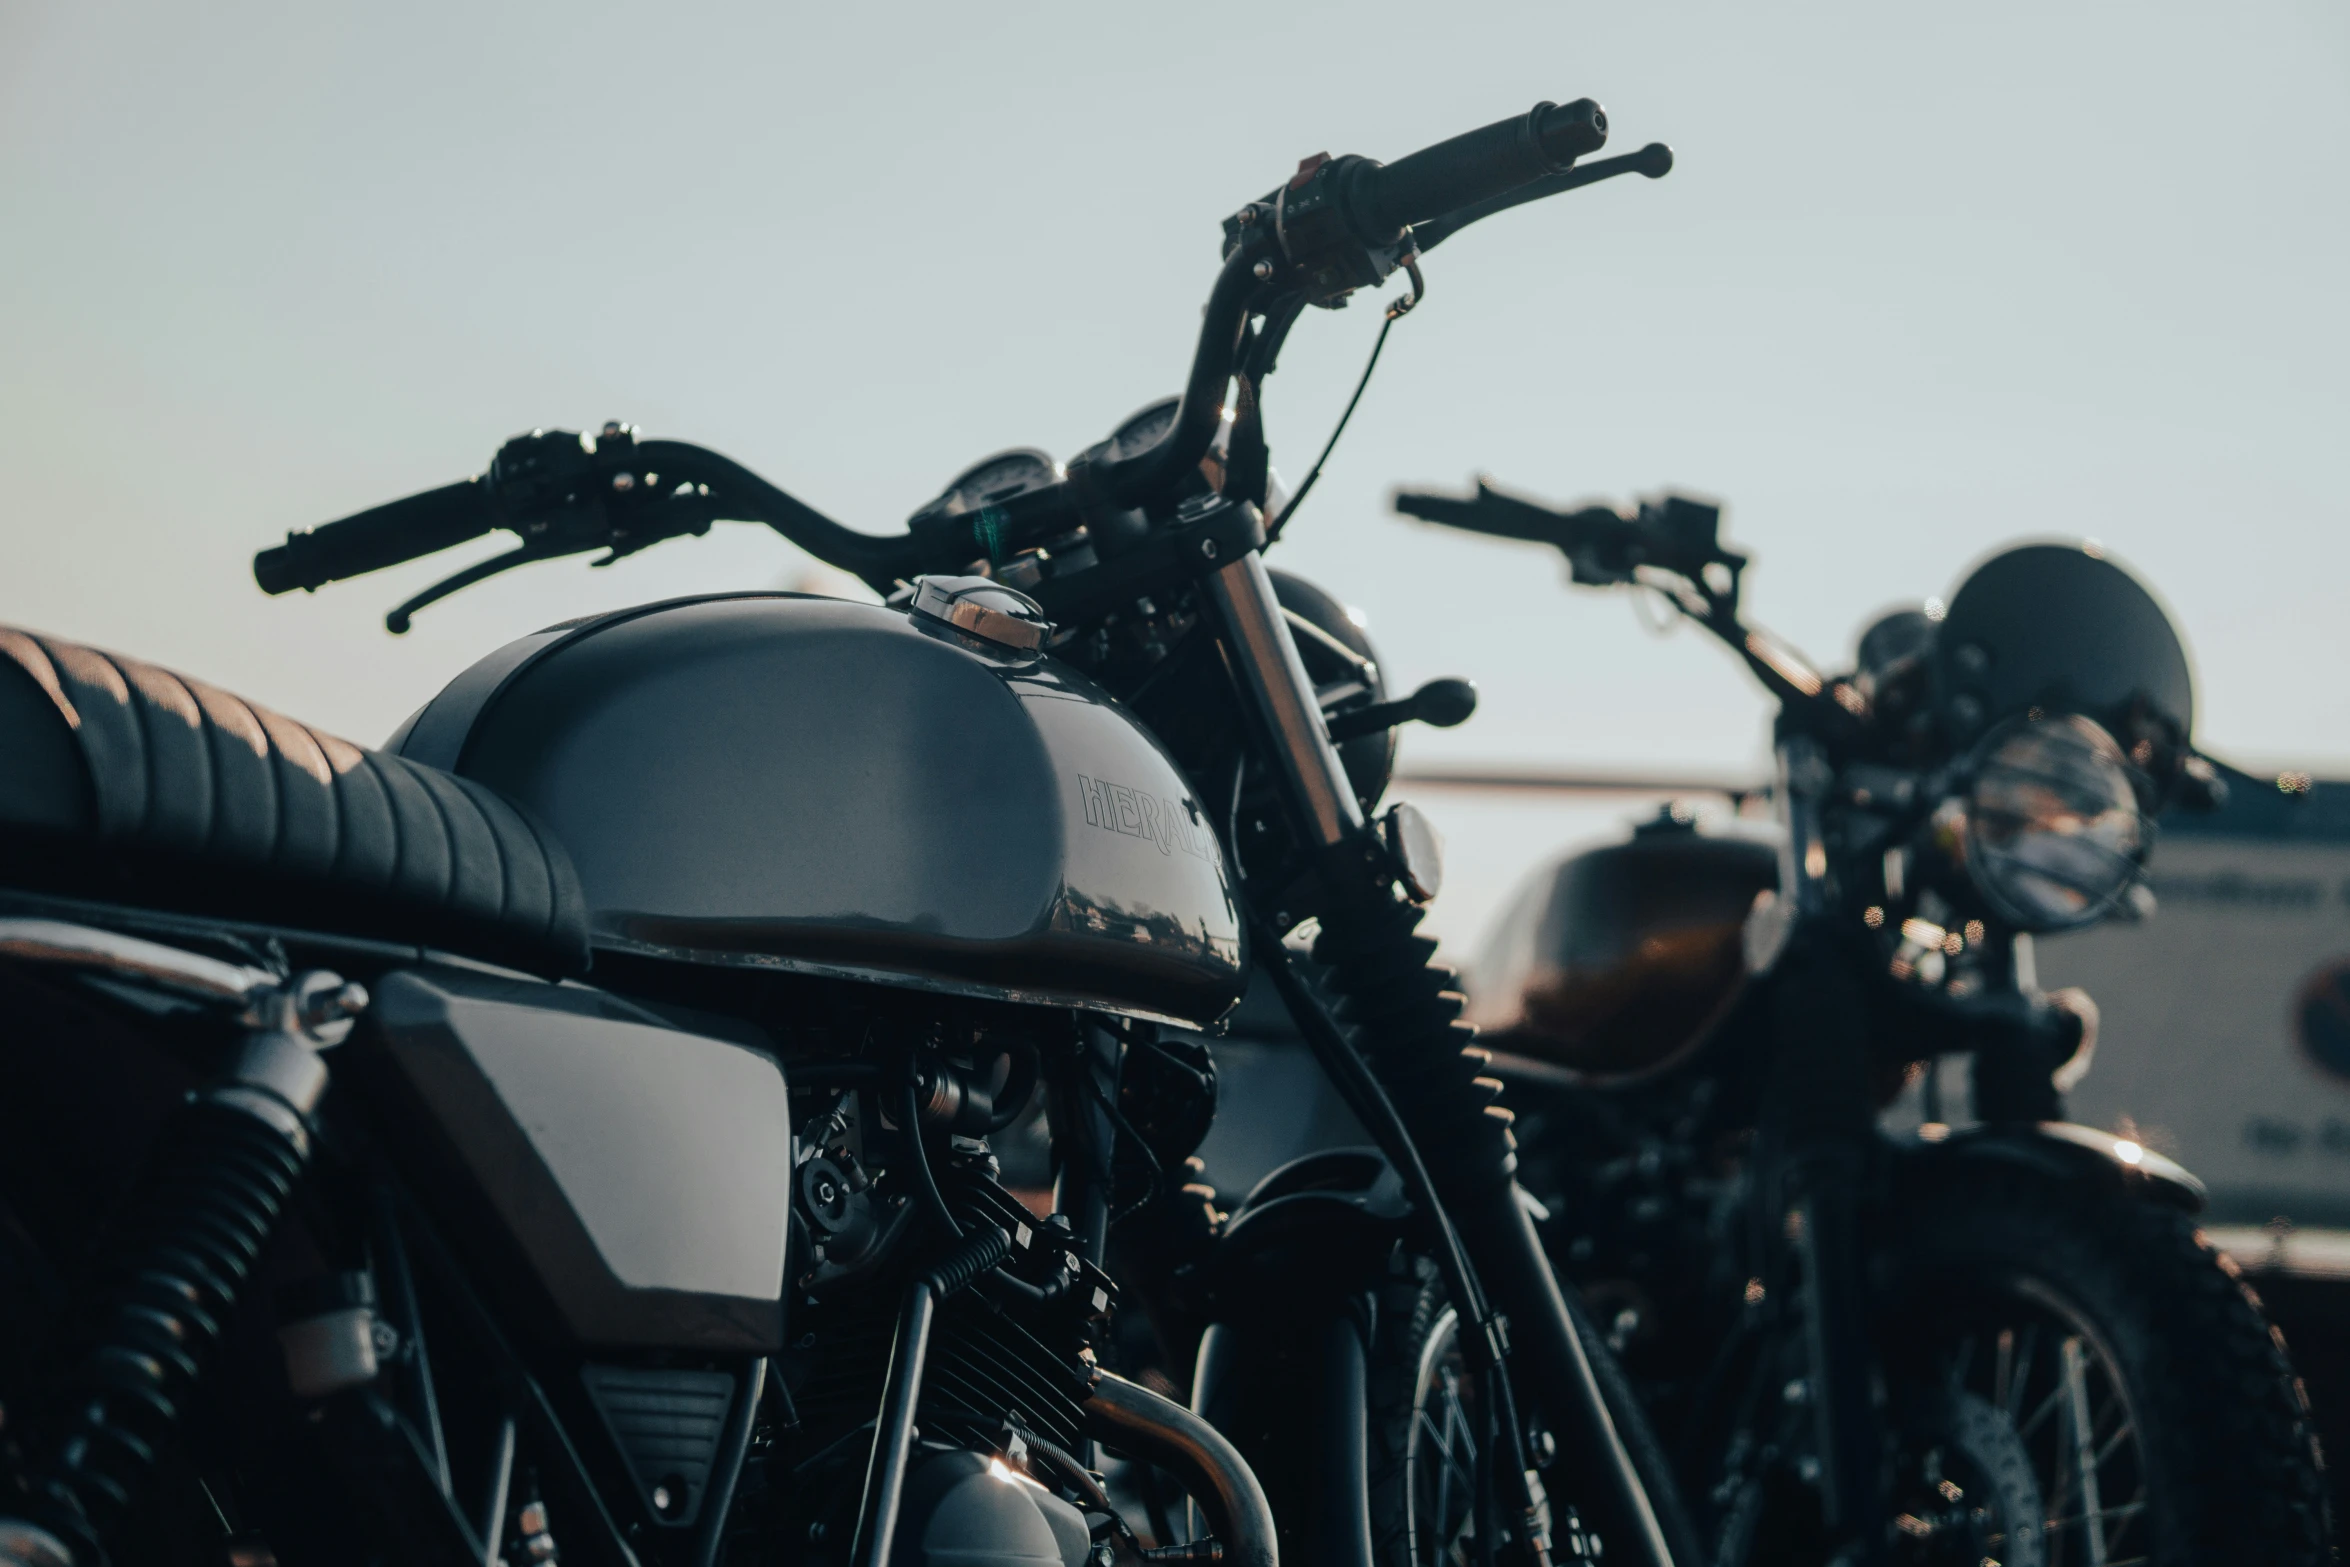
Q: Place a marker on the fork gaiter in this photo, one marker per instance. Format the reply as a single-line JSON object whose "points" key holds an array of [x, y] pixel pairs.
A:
{"points": [[1405, 1013]]}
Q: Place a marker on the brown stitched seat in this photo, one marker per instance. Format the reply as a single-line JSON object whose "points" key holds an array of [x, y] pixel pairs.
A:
{"points": [[127, 783]]}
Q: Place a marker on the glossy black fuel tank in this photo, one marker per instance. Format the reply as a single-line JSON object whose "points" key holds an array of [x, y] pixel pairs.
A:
{"points": [[835, 788], [1615, 963]]}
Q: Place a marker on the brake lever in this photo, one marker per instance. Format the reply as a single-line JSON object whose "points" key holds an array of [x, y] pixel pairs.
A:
{"points": [[619, 526], [1655, 161]]}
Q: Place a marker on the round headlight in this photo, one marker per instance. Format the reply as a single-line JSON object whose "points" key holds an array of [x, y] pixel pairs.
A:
{"points": [[2054, 834]]}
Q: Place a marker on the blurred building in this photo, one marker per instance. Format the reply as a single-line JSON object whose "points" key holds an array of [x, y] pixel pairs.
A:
{"points": [[2226, 1016]]}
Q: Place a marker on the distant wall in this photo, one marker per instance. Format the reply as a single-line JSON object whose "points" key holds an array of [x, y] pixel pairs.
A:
{"points": [[2226, 1036]]}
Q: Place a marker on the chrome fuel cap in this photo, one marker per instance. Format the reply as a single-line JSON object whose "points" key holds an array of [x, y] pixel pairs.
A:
{"points": [[984, 608]]}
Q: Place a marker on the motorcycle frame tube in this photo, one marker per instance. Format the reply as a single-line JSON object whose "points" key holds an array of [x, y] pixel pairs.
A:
{"points": [[1272, 677], [893, 1430], [1165, 1433], [1079, 1092], [726, 1474]]}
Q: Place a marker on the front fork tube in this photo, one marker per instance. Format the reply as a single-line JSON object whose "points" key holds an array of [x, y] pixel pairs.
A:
{"points": [[1407, 1024], [1819, 1114], [1825, 1223], [1272, 678], [1344, 1468]]}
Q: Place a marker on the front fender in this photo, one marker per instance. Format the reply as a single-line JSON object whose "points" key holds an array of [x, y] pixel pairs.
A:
{"points": [[2059, 1150]]}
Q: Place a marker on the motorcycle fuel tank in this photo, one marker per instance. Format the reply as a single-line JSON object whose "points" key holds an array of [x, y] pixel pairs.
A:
{"points": [[1614, 964], [775, 780]]}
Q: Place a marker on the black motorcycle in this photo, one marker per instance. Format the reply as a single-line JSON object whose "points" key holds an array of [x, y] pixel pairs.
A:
{"points": [[1998, 1341], [566, 1132]]}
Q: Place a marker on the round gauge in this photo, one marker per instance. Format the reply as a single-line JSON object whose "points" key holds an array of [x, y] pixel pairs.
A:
{"points": [[1143, 430], [996, 479]]}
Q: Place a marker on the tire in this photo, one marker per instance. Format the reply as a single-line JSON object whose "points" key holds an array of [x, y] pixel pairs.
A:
{"points": [[1412, 1323], [1649, 1459], [1414, 1346], [2061, 1308]]}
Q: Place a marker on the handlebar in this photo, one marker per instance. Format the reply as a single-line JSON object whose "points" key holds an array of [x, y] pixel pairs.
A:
{"points": [[1384, 199], [1603, 544], [562, 494], [1604, 547], [381, 536], [879, 558]]}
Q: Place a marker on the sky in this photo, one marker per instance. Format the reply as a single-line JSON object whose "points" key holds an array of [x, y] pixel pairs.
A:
{"points": [[1926, 279]]}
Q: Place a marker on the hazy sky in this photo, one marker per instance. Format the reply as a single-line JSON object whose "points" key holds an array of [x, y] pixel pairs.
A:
{"points": [[1927, 278]]}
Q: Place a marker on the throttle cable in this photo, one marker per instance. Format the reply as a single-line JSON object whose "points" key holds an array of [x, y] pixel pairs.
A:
{"points": [[1397, 309]]}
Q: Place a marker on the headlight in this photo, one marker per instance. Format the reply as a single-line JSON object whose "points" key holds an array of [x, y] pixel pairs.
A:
{"points": [[2054, 835]]}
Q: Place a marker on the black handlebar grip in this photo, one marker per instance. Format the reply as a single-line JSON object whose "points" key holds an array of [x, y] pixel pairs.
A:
{"points": [[383, 536], [1384, 199]]}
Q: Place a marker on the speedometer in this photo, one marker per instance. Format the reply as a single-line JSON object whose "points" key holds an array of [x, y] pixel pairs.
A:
{"points": [[1143, 430], [993, 481]]}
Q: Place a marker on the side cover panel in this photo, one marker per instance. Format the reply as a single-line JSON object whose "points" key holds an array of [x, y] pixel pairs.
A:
{"points": [[640, 1173]]}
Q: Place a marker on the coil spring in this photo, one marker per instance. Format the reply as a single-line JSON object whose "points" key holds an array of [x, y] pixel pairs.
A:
{"points": [[204, 1209], [977, 1253], [1406, 1012]]}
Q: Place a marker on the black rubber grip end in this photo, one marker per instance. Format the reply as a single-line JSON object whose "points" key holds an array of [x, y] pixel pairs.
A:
{"points": [[274, 570], [398, 531], [1571, 130]]}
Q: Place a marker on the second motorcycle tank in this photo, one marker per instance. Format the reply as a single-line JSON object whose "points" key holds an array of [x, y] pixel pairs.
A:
{"points": [[1613, 964], [776, 780]]}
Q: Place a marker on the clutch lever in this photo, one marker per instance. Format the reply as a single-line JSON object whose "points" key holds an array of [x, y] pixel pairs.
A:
{"points": [[620, 523], [398, 620]]}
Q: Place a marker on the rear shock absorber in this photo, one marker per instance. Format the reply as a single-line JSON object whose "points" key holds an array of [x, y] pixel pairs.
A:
{"points": [[202, 1212]]}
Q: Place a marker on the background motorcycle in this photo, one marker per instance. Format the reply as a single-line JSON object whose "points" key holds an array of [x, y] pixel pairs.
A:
{"points": [[1999, 1341], [552, 1264]]}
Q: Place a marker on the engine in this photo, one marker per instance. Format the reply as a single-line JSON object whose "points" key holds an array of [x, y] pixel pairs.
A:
{"points": [[1000, 1468]]}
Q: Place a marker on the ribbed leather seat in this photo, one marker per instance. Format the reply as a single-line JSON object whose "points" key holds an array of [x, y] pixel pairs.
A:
{"points": [[123, 782]]}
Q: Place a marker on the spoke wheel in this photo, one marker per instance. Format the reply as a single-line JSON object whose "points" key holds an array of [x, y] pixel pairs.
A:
{"points": [[2075, 1379], [2023, 1448], [1440, 1452]]}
